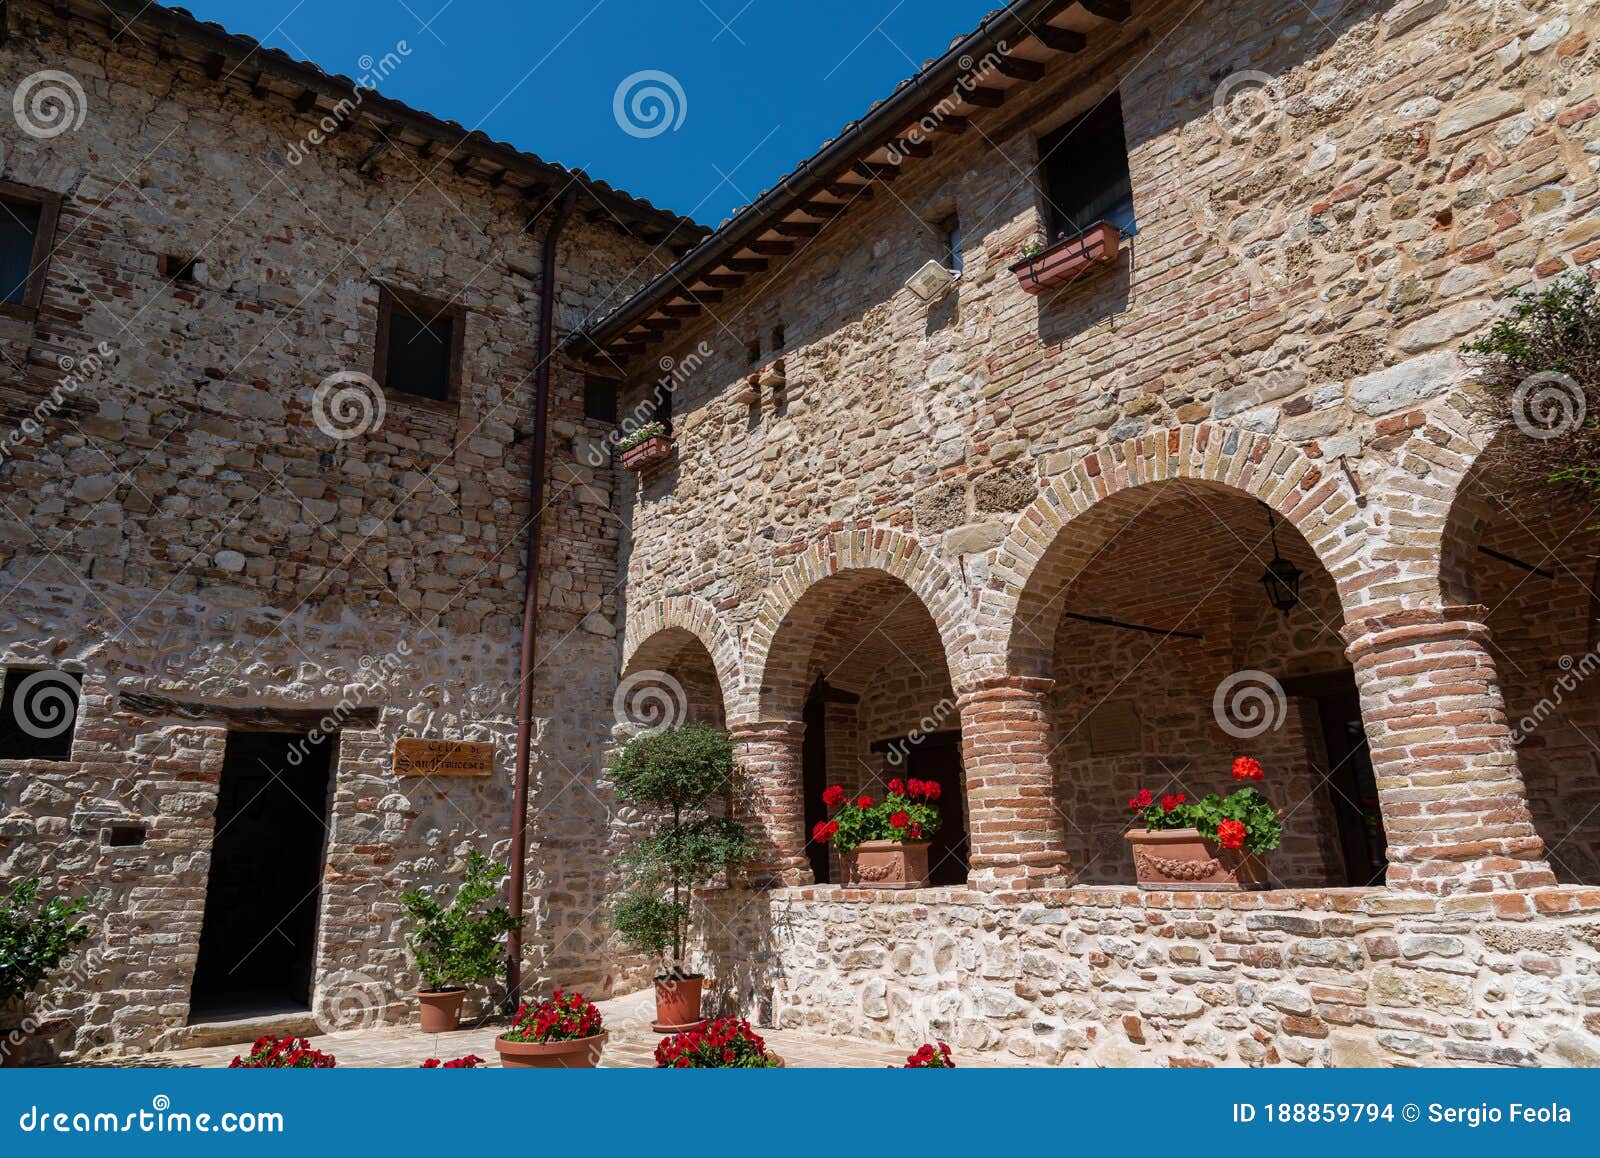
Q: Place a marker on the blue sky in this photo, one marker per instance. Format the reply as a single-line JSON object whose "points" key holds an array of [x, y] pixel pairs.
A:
{"points": [[764, 82]]}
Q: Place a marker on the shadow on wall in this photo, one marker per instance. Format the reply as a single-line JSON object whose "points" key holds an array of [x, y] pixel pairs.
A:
{"points": [[738, 952]]}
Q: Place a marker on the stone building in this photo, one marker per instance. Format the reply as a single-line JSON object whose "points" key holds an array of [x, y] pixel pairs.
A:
{"points": [[1011, 540], [261, 571], [1011, 531]]}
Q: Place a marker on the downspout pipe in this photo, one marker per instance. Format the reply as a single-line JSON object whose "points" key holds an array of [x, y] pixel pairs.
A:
{"points": [[544, 344]]}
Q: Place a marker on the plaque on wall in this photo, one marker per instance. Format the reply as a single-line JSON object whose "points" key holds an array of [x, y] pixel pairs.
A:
{"points": [[438, 758]]}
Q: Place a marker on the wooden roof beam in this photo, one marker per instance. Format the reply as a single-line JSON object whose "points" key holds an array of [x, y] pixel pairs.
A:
{"points": [[1018, 68], [680, 309], [1118, 10], [1059, 39], [798, 228], [983, 98], [771, 247]]}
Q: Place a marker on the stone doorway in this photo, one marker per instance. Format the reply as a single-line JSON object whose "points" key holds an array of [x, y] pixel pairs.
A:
{"points": [[1335, 705], [258, 937]]}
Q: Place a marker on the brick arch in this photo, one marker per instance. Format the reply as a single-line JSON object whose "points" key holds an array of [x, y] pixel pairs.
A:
{"points": [[880, 550], [661, 629], [1463, 517], [1078, 510]]}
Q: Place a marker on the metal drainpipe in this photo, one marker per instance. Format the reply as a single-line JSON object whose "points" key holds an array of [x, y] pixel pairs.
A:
{"points": [[530, 603]]}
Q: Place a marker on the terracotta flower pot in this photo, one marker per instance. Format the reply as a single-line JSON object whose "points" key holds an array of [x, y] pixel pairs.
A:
{"points": [[887, 864], [579, 1054], [678, 1004], [1059, 263], [1180, 858], [649, 452], [441, 1009]]}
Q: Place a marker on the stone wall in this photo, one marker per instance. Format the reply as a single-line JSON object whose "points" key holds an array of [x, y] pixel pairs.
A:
{"points": [[184, 527], [1119, 977]]}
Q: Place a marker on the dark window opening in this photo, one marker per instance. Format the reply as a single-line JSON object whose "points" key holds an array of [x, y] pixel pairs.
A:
{"points": [[663, 409], [949, 231], [777, 338], [38, 713], [600, 399], [752, 352], [177, 268], [27, 227], [258, 933], [124, 836], [419, 347], [1085, 170]]}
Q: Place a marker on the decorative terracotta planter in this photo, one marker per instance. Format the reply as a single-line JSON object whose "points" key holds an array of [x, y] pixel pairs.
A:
{"points": [[441, 1009], [1180, 858], [1059, 263], [13, 1040], [678, 1004], [580, 1054], [647, 453], [887, 864]]}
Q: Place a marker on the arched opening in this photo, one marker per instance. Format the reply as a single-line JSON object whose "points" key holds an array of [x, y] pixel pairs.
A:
{"points": [[860, 662], [1526, 551], [671, 679], [1169, 658]]}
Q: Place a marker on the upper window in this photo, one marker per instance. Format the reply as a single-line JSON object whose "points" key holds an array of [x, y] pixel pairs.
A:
{"points": [[27, 225], [38, 713], [419, 347], [1085, 168], [949, 231]]}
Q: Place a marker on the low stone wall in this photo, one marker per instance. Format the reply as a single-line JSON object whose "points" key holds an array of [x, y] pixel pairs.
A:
{"points": [[1113, 976]]}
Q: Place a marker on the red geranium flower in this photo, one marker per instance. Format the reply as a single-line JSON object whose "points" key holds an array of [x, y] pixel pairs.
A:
{"points": [[1246, 768], [898, 787], [1231, 834], [819, 831], [863, 801], [931, 789], [1168, 803], [899, 820], [915, 788], [833, 796]]}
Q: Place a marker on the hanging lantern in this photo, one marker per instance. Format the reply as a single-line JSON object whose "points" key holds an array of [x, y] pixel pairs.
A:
{"points": [[1281, 578]]}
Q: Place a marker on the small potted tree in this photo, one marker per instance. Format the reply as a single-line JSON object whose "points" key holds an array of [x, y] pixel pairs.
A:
{"points": [[459, 944], [883, 844], [35, 938], [564, 1031], [674, 774], [1218, 843], [644, 447]]}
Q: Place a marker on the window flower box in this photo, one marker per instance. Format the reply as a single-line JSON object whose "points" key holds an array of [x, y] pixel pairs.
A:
{"points": [[1060, 262], [645, 447], [883, 844], [1215, 843], [1180, 858]]}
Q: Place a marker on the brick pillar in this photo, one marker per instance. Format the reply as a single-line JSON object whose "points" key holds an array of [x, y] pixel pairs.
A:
{"points": [[1454, 809], [773, 804], [1017, 834]]}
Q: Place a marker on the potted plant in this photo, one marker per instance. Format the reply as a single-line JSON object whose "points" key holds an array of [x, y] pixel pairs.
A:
{"points": [[283, 1053], [1045, 265], [459, 944], [883, 844], [725, 1044], [562, 1032], [643, 447], [930, 1056], [1217, 843], [35, 937], [673, 774], [471, 1062]]}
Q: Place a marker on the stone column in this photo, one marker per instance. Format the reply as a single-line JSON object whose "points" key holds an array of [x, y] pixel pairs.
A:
{"points": [[773, 802], [1015, 826], [1454, 809]]}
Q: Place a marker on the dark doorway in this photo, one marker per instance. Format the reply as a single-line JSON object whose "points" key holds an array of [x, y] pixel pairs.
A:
{"points": [[267, 851], [814, 775], [1352, 785], [937, 756]]}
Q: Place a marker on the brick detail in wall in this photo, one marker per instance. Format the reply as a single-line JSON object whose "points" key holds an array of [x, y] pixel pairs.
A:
{"points": [[1452, 795], [1016, 827], [772, 802]]}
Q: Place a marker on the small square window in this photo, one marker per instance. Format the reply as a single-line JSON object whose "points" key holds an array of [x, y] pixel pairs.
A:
{"points": [[752, 352], [1085, 169], [600, 399], [419, 347], [124, 836], [27, 228], [176, 268], [38, 713], [778, 338]]}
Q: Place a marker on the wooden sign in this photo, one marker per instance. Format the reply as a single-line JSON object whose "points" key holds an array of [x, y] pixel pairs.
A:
{"points": [[440, 758]]}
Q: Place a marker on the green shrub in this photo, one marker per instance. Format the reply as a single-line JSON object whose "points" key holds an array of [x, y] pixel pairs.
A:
{"points": [[35, 937], [673, 774], [458, 945]]}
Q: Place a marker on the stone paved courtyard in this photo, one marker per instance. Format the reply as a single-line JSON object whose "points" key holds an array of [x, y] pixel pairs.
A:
{"points": [[632, 1044]]}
